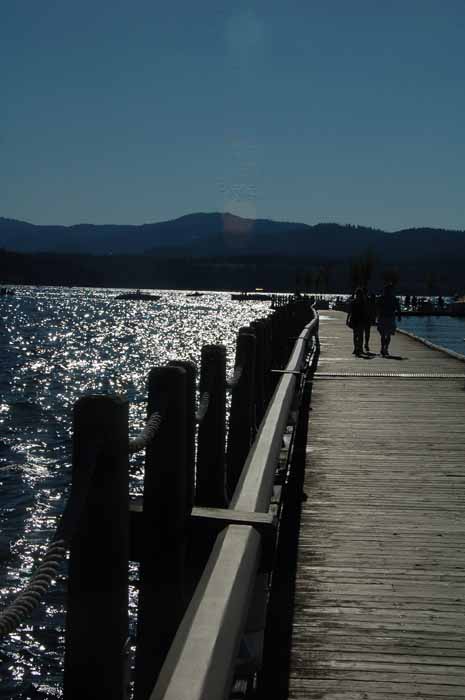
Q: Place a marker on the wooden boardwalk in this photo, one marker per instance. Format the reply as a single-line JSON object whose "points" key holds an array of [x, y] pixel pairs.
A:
{"points": [[380, 587]]}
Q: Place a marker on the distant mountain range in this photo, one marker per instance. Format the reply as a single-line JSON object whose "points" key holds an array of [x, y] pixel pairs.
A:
{"points": [[225, 235]]}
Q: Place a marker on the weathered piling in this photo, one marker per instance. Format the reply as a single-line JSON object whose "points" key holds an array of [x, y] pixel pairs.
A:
{"points": [[260, 400], [211, 470], [97, 605], [276, 336], [279, 334], [165, 517], [191, 382], [252, 395], [267, 358], [242, 414]]}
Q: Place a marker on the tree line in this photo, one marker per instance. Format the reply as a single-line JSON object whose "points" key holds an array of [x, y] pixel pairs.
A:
{"points": [[277, 273]]}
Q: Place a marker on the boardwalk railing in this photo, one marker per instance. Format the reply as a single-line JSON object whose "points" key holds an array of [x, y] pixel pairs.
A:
{"points": [[203, 533], [202, 660]]}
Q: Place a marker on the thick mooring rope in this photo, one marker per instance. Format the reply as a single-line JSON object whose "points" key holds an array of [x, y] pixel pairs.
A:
{"points": [[146, 435], [29, 598], [234, 380]]}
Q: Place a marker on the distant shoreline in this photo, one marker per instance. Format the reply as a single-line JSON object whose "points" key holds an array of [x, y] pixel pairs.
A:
{"points": [[272, 273]]}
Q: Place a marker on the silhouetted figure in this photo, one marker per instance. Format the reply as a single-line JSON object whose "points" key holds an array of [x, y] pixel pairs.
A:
{"points": [[388, 308], [370, 317], [356, 319]]}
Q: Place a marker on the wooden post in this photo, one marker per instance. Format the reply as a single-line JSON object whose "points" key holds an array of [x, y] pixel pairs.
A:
{"points": [[97, 607], [278, 335], [241, 418], [259, 328], [191, 388], [164, 523], [275, 339], [250, 330], [290, 332], [211, 472], [267, 345]]}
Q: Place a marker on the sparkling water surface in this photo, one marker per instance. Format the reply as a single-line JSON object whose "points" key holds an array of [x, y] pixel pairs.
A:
{"points": [[57, 344]]}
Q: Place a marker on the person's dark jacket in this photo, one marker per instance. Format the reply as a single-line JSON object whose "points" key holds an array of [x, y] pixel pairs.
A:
{"points": [[357, 314]]}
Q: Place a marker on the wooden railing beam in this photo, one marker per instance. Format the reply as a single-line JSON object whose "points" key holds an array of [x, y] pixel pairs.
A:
{"points": [[255, 485], [200, 663]]}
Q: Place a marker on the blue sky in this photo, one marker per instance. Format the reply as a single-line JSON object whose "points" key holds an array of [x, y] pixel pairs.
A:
{"points": [[130, 112]]}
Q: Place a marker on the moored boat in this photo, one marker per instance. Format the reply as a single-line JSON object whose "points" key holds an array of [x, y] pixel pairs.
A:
{"points": [[251, 296], [138, 296]]}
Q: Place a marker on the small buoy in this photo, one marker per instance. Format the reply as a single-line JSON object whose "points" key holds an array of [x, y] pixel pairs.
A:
{"points": [[5, 551]]}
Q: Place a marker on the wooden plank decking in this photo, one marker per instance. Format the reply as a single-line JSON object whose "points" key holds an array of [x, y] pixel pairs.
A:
{"points": [[380, 587]]}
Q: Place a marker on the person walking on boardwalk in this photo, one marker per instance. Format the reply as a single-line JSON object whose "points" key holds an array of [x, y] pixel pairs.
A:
{"points": [[370, 317], [356, 320], [388, 308]]}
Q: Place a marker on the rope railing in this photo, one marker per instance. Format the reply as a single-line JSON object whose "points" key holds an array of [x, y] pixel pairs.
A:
{"points": [[232, 381], [204, 402], [146, 435], [29, 598]]}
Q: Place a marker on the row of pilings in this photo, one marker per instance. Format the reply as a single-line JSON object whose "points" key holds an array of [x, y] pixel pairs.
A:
{"points": [[192, 463]]}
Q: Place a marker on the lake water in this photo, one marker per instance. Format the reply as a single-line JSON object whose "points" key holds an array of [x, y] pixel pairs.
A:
{"points": [[57, 344], [449, 332]]}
